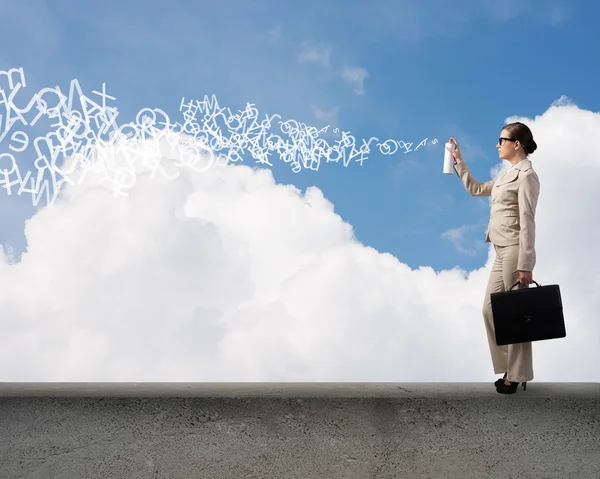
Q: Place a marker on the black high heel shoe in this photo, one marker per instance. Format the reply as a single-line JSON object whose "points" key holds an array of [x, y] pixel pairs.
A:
{"points": [[504, 389], [500, 381]]}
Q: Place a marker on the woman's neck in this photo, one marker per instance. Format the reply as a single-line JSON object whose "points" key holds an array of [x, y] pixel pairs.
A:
{"points": [[516, 159]]}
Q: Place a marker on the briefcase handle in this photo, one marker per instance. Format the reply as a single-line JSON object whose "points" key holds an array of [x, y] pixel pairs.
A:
{"points": [[519, 282]]}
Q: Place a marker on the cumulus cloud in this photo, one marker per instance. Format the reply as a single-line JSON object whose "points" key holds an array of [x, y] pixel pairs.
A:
{"points": [[228, 276]]}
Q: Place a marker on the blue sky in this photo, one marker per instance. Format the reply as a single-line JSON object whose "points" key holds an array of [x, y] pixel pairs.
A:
{"points": [[434, 71]]}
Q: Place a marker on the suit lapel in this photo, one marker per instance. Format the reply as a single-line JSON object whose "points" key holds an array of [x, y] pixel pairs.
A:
{"points": [[512, 174], [508, 177]]}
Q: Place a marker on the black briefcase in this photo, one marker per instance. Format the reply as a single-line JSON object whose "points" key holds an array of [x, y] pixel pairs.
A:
{"points": [[528, 314]]}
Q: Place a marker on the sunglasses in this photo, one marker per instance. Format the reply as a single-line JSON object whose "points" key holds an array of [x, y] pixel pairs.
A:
{"points": [[507, 139]]}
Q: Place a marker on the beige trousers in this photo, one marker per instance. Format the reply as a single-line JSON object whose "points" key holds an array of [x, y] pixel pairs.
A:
{"points": [[513, 359]]}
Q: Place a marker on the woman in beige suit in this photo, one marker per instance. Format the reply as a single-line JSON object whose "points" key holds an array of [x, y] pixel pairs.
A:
{"points": [[512, 232]]}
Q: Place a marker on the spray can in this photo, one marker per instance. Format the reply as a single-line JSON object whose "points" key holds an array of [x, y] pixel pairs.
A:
{"points": [[449, 159]]}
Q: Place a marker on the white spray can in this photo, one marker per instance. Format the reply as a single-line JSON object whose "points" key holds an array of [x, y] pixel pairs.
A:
{"points": [[449, 159]]}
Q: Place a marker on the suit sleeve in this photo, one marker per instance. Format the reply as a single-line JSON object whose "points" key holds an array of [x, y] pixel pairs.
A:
{"points": [[529, 190], [471, 184]]}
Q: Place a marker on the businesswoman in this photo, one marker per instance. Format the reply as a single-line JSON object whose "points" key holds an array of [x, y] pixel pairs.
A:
{"points": [[511, 230]]}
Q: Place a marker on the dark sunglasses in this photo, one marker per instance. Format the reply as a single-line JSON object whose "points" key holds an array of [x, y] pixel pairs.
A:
{"points": [[507, 139]]}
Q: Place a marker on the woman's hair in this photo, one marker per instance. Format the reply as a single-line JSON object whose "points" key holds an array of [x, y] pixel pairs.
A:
{"points": [[521, 132]]}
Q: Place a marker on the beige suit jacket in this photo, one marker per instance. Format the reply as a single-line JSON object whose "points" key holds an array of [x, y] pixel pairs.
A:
{"points": [[512, 215]]}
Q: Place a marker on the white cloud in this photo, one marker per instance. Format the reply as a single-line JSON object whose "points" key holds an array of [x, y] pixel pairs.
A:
{"points": [[463, 238], [564, 100], [326, 116], [228, 276], [356, 76], [320, 54]]}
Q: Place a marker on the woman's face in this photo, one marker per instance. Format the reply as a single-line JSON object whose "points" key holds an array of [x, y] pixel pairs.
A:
{"points": [[506, 148]]}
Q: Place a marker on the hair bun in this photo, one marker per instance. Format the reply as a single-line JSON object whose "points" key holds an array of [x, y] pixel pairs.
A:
{"points": [[532, 147]]}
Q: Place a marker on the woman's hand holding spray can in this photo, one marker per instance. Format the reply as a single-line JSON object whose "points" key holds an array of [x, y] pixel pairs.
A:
{"points": [[451, 156]]}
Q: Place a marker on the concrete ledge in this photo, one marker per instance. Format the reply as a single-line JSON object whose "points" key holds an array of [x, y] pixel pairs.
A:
{"points": [[298, 430], [292, 390]]}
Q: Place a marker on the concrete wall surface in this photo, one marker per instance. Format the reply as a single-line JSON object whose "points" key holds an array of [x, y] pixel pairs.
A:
{"points": [[298, 430]]}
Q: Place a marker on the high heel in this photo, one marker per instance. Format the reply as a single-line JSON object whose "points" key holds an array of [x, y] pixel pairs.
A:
{"points": [[500, 381], [505, 389]]}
